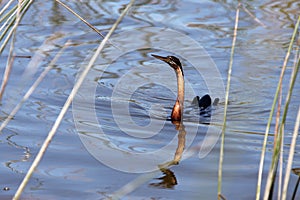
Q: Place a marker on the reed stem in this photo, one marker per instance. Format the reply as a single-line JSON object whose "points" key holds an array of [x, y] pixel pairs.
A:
{"points": [[262, 158], [76, 87], [276, 152], [220, 171]]}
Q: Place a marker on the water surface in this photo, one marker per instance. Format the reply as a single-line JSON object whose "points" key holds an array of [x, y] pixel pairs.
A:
{"points": [[69, 171]]}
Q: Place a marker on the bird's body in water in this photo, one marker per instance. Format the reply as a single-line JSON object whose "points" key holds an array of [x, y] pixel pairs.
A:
{"points": [[202, 102], [177, 110]]}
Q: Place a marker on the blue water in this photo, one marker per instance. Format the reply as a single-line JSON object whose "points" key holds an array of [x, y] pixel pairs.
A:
{"points": [[80, 162]]}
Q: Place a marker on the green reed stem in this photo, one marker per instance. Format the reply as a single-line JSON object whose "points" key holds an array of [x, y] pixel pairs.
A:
{"points": [[11, 56], [63, 111], [226, 103], [4, 33], [5, 7], [293, 141], [10, 21], [259, 180], [276, 152], [291, 156], [18, 14], [7, 16]]}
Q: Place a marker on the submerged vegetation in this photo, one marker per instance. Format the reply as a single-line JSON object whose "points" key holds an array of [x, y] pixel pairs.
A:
{"points": [[10, 18]]}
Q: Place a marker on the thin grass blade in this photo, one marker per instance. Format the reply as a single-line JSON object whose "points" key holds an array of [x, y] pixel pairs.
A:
{"points": [[282, 124], [261, 165], [226, 103], [77, 85]]}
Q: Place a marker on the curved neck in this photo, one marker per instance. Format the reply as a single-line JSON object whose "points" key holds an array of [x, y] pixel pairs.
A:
{"points": [[178, 106], [180, 87]]}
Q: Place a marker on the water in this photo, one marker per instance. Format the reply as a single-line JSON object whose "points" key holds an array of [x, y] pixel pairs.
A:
{"points": [[68, 170]]}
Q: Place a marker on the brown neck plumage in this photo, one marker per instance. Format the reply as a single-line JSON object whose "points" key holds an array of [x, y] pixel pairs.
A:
{"points": [[177, 111], [176, 65]]}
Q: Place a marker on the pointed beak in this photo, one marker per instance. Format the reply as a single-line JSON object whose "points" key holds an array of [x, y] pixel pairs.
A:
{"points": [[165, 59]]}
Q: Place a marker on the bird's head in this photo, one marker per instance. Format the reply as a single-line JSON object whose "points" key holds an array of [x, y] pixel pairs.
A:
{"points": [[172, 61]]}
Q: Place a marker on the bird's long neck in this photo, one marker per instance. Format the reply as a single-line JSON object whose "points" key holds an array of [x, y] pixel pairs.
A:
{"points": [[180, 87], [178, 107]]}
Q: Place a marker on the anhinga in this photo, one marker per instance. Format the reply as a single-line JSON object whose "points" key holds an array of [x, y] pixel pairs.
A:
{"points": [[177, 111], [176, 65]]}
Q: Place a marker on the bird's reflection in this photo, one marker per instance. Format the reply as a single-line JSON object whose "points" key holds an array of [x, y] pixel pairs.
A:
{"points": [[167, 181]]}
